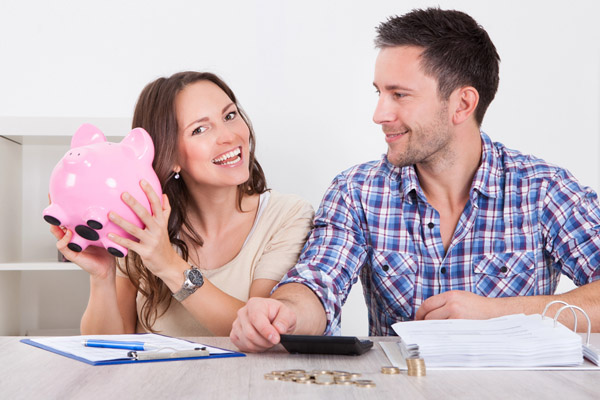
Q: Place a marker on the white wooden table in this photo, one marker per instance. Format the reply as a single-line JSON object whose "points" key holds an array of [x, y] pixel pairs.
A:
{"points": [[27, 372]]}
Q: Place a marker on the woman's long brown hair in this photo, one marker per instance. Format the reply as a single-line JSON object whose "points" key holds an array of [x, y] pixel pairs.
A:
{"points": [[155, 112]]}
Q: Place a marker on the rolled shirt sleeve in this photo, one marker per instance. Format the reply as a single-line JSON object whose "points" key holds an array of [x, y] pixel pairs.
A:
{"points": [[334, 253]]}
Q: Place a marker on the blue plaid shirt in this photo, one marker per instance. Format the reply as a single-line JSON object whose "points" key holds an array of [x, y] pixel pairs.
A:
{"points": [[525, 223]]}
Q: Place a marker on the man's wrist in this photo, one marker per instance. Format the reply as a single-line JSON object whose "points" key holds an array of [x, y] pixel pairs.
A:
{"points": [[311, 318]]}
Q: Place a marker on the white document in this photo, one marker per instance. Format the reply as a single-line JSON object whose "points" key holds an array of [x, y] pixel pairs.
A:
{"points": [[513, 341], [394, 354]]}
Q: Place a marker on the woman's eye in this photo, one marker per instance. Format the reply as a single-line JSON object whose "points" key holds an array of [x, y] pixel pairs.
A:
{"points": [[199, 130], [230, 115]]}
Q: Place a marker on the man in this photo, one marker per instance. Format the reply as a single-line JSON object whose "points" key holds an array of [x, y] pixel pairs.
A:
{"points": [[448, 224]]}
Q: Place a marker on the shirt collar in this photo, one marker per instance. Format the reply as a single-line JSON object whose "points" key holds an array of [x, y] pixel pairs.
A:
{"points": [[405, 178], [485, 181], [389, 169], [410, 184]]}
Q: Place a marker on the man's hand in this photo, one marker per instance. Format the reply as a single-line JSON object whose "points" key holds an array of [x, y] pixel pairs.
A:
{"points": [[458, 304], [259, 324]]}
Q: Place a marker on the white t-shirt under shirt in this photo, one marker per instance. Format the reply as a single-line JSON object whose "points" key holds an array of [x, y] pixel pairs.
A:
{"points": [[272, 247]]}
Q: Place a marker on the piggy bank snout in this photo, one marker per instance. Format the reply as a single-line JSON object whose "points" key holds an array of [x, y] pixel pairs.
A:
{"points": [[76, 157]]}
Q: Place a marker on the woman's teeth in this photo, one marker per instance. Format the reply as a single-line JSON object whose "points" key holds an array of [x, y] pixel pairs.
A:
{"points": [[228, 158]]}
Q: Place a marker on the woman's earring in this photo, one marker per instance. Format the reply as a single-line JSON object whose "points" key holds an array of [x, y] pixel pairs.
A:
{"points": [[176, 175]]}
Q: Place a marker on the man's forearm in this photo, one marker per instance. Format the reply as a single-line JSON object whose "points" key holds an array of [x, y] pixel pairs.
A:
{"points": [[310, 314], [467, 305], [586, 297]]}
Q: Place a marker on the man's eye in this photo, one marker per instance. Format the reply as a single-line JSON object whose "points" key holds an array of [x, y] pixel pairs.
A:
{"points": [[199, 130], [399, 95], [230, 116]]}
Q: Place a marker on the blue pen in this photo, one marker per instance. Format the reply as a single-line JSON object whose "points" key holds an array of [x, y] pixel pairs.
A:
{"points": [[116, 344]]}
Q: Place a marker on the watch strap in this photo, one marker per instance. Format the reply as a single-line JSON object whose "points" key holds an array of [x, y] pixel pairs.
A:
{"points": [[188, 287]]}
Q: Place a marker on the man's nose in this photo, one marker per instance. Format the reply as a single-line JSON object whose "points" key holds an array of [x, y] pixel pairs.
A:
{"points": [[384, 112]]}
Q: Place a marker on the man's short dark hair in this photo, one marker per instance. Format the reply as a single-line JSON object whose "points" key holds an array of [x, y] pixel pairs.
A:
{"points": [[457, 51]]}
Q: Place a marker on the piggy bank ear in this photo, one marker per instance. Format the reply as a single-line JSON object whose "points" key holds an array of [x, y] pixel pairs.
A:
{"points": [[140, 141], [87, 134]]}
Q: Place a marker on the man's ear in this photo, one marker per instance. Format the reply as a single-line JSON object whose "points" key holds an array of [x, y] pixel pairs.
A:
{"points": [[464, 100]]}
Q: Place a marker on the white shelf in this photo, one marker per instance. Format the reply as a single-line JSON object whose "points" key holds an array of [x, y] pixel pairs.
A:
{"points": [[39, 266], [38, 293], [57, 130]]}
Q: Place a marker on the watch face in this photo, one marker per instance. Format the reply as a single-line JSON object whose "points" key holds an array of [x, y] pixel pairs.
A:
{"points": [[195, 276]]}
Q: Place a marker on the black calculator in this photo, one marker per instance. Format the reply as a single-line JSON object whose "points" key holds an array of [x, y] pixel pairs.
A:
{"points": [[311, 344]]}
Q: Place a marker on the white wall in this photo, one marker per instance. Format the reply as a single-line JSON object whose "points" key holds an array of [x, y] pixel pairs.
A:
{"points": [[303, 72]]}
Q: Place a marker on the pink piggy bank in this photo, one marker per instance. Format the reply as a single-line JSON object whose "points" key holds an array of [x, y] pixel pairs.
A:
{"points": [[88, 182]]}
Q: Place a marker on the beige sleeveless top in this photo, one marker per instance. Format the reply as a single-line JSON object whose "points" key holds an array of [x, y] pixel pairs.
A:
{"points": [[272, 247]]}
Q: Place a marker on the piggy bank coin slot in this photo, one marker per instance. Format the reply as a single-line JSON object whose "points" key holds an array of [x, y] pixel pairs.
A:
{"points": [[87, 233]]}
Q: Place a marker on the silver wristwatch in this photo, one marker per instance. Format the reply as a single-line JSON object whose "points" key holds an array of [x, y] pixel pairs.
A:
{"points": [[193, 279]]}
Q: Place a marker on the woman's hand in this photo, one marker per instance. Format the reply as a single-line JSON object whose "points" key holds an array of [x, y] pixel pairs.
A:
{"points": [[94, 260], [154, 246]]}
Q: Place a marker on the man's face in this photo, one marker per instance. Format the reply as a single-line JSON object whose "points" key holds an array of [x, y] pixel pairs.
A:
{"points": [[413, 118]]}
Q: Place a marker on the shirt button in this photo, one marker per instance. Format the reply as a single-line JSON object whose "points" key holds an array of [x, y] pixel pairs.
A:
{"points": [[431, 225], [443, 270], [385, 267], [503, 269]]}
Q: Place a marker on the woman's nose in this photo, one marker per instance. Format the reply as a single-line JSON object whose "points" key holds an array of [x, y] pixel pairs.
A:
{"points": [[225, 134]]}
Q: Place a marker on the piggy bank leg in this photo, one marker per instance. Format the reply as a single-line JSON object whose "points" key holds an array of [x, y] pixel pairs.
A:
{"points": [[115, 249], [54, 215], [77, 244], [96, 217]]}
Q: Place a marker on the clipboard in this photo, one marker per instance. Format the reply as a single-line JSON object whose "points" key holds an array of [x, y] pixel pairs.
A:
{"points": [[174, 349]]}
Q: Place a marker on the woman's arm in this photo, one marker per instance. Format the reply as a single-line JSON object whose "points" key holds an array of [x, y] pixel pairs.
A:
{"points": [[209, 305], [111, 308], [262, 287], [108, 300]]}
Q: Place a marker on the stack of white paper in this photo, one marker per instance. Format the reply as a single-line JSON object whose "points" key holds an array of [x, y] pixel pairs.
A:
{"points": [[511, 341]]}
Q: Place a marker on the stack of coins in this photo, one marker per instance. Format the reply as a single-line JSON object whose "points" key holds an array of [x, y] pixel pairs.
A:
{"points": [[390, 370], [320, 377], [416, 366], [364, 383]]}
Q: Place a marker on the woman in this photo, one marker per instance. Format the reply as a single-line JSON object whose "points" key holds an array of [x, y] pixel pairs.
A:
{"points": [[219, 236]]}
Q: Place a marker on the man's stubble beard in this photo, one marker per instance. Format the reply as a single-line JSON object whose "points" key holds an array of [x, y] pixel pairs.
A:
{"points": [[432, 143]]}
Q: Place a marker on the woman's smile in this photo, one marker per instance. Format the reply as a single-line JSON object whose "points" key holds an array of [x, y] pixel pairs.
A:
{"points": [[229, 158]]}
